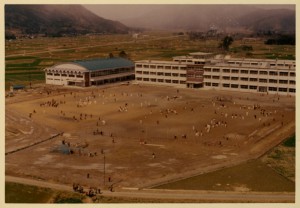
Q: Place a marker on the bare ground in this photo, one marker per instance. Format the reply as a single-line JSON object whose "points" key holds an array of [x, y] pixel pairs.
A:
{"points": [[137, 121]]}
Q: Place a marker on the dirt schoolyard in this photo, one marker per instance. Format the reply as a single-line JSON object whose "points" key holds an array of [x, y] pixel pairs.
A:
{"points": [[137, 135]]}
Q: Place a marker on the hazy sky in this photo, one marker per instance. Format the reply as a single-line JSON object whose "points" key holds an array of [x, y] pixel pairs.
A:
{"points": [[121, 12]]}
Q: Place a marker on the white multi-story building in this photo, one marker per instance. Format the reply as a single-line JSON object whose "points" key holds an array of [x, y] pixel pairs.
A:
{"points": [[203, 70], [251, 75]]}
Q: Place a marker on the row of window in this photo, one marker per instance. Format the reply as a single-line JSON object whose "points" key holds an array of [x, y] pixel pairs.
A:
{"points": [[251, 79], [256, 64], [160, 67], [111, 71], [160, 80], [65, 75], [251, 87], [243, 71], [168, 74]]}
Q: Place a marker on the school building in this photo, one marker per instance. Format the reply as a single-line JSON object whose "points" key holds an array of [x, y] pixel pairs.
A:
{"points": [[87, 73], [204, 70]]}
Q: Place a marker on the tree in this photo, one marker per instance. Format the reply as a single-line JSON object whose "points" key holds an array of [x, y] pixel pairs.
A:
{"points": [[110, 55], [226, 42], [123, 54]]}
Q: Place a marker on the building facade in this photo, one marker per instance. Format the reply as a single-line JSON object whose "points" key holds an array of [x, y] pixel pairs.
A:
{"points": [[87, 73], [251, 75], [203, 70]]}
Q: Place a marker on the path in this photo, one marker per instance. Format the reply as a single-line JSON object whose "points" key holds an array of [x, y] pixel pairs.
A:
{"points": [[211, 196]]}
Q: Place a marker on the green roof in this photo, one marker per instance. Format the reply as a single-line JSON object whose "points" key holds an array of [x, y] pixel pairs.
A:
{"points": [[105, 63]]}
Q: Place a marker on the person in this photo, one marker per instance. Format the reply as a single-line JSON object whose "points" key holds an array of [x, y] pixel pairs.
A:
{"points": [[153, 155]]}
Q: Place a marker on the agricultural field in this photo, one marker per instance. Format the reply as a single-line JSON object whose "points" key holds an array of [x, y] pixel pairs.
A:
{"points": [[25, 59]]}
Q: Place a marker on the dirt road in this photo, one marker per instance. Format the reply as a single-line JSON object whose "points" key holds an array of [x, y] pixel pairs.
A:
{"points": [[212, 196]]}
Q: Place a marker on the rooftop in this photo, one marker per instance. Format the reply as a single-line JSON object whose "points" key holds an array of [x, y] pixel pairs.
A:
{"points": [[104, 63]]}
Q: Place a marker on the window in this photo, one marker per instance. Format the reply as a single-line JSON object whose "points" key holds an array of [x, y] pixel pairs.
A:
{"points": [[244, 72], [146, 79], [226, 70], [145, 72], [280, 89], [71, 75], [263, 80], [175, 81], [234, 86], [56, 74], [139, 78], [160, 67], [215, 84], [283, 81], [64, 75], [274, 89], [283, 73], [167, 74], [216, 70], [253, 72], [292, 90], [174, 74], [207, 76], [160, 80], [168, 81], [234, 78], [138, 65], [79, 76], [146, 66], [182, 75], [272, 81], [244, 78], [160, 74], [292, 74], [207, 70], [215, 77], [175, 67], [182, 82], [226, 77], [152, 66], [273, 73], [207, 84], [244, 86], [226, 85], [183, 68], [252, 87], [167, 67], [235, 71], [292, 82], [253, 79], [153, 80], [263, 72], [49, 74]]}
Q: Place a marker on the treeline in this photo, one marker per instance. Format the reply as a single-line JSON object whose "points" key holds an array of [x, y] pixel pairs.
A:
{"points": [[281, 40]]}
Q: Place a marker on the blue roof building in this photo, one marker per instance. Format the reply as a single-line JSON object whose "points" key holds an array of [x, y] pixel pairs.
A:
{"points": [[85, 73]]}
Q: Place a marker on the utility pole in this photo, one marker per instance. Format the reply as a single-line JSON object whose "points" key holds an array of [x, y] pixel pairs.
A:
{"points": [[104, 170]]}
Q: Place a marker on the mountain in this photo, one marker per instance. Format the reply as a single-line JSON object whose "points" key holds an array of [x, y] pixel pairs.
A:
{"points": [[276, 20], [57, 20], [222, 17]]}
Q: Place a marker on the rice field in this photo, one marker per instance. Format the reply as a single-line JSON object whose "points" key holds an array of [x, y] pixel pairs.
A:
{"points": [[29, 56]]}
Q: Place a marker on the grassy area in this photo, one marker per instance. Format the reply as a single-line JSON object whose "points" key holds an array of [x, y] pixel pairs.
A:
{"points": [[36, 53], [251, 176], [274, 172], [20, 193], [282, 158]]}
